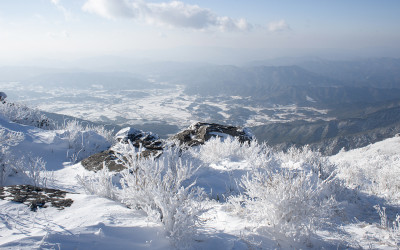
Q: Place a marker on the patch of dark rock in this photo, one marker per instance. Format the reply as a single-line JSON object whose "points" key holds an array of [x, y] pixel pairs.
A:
{"points": [[35, 197], [150, 143], [95, 162], [139, 138], [198, 133]]}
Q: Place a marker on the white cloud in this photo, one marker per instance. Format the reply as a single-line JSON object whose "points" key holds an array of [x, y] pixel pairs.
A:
{"points": [[178, 14], [67, 14], [277, 26], [229, 24], [111, 9], [173, 14]]}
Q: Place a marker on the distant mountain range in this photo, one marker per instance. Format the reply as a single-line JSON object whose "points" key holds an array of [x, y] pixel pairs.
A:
{"points": [[331, 136], [291, 84], [363, 95], [375, 73]]}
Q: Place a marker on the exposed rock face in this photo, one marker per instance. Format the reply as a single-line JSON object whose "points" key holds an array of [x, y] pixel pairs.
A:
{"points": [[35, 197], [139, 138], [198, 133], [150, 142], [95, 162]]}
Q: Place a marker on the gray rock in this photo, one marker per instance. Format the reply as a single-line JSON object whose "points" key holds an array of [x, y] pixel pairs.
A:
{"points": [[139, 138], [35, 197], [95, 162], [198, 133], [150, 142]]}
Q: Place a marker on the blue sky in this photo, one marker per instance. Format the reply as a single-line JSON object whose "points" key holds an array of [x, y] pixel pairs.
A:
{"points": [[77, 28]]}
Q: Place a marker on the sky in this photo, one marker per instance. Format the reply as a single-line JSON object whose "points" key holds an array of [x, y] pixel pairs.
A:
{"points": [[192, 29]]}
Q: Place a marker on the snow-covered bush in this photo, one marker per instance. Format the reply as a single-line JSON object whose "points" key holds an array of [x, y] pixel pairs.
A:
{"points": [[85, 141], [32, 170], [394, 229], [292, 195], [7, 164], [159, 187], [373, 170], [99, 183], [305, 158], [21, 114], [35, 170], [218, 149]]}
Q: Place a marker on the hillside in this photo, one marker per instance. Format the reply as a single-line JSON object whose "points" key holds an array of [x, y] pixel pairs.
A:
{"points": [[331, 136], [218, 195], [283, 85]]}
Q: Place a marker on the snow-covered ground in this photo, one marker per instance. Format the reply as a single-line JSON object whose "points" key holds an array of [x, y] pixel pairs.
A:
{"points": [[168, 105], [365, 177]]}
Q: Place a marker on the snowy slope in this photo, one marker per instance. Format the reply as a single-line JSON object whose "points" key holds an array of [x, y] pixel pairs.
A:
{"points": [[374, 168], [91, 222], [370, 176]]}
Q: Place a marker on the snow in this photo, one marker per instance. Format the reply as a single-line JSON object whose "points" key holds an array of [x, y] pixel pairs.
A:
{"points": [[170, 105], [371, 176], [90, 223], [310, 99], [375, 168]]}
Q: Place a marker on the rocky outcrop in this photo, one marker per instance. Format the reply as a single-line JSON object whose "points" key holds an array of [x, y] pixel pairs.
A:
{"points": [[150, 143], [139, 138], [95, 162], [35, 197], [198, 133]]}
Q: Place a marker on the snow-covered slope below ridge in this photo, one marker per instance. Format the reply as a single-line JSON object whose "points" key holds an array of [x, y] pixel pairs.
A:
{"points": [[375, 169], [370, 176]]}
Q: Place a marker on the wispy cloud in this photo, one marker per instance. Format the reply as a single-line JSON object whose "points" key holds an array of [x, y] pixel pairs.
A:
{"points": [[173, 14], [67, 14], [111, 9], [278, 26]]}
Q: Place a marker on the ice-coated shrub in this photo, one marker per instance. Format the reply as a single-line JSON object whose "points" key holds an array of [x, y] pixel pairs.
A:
{"points": [[393, 228], [35, 170], [288, 196], [32, 170], [84, 141], [7, 164], [99, 183], [159, 187], [21, 114], [218, 149], [307, 159], [374, 173], [10, 138]]}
